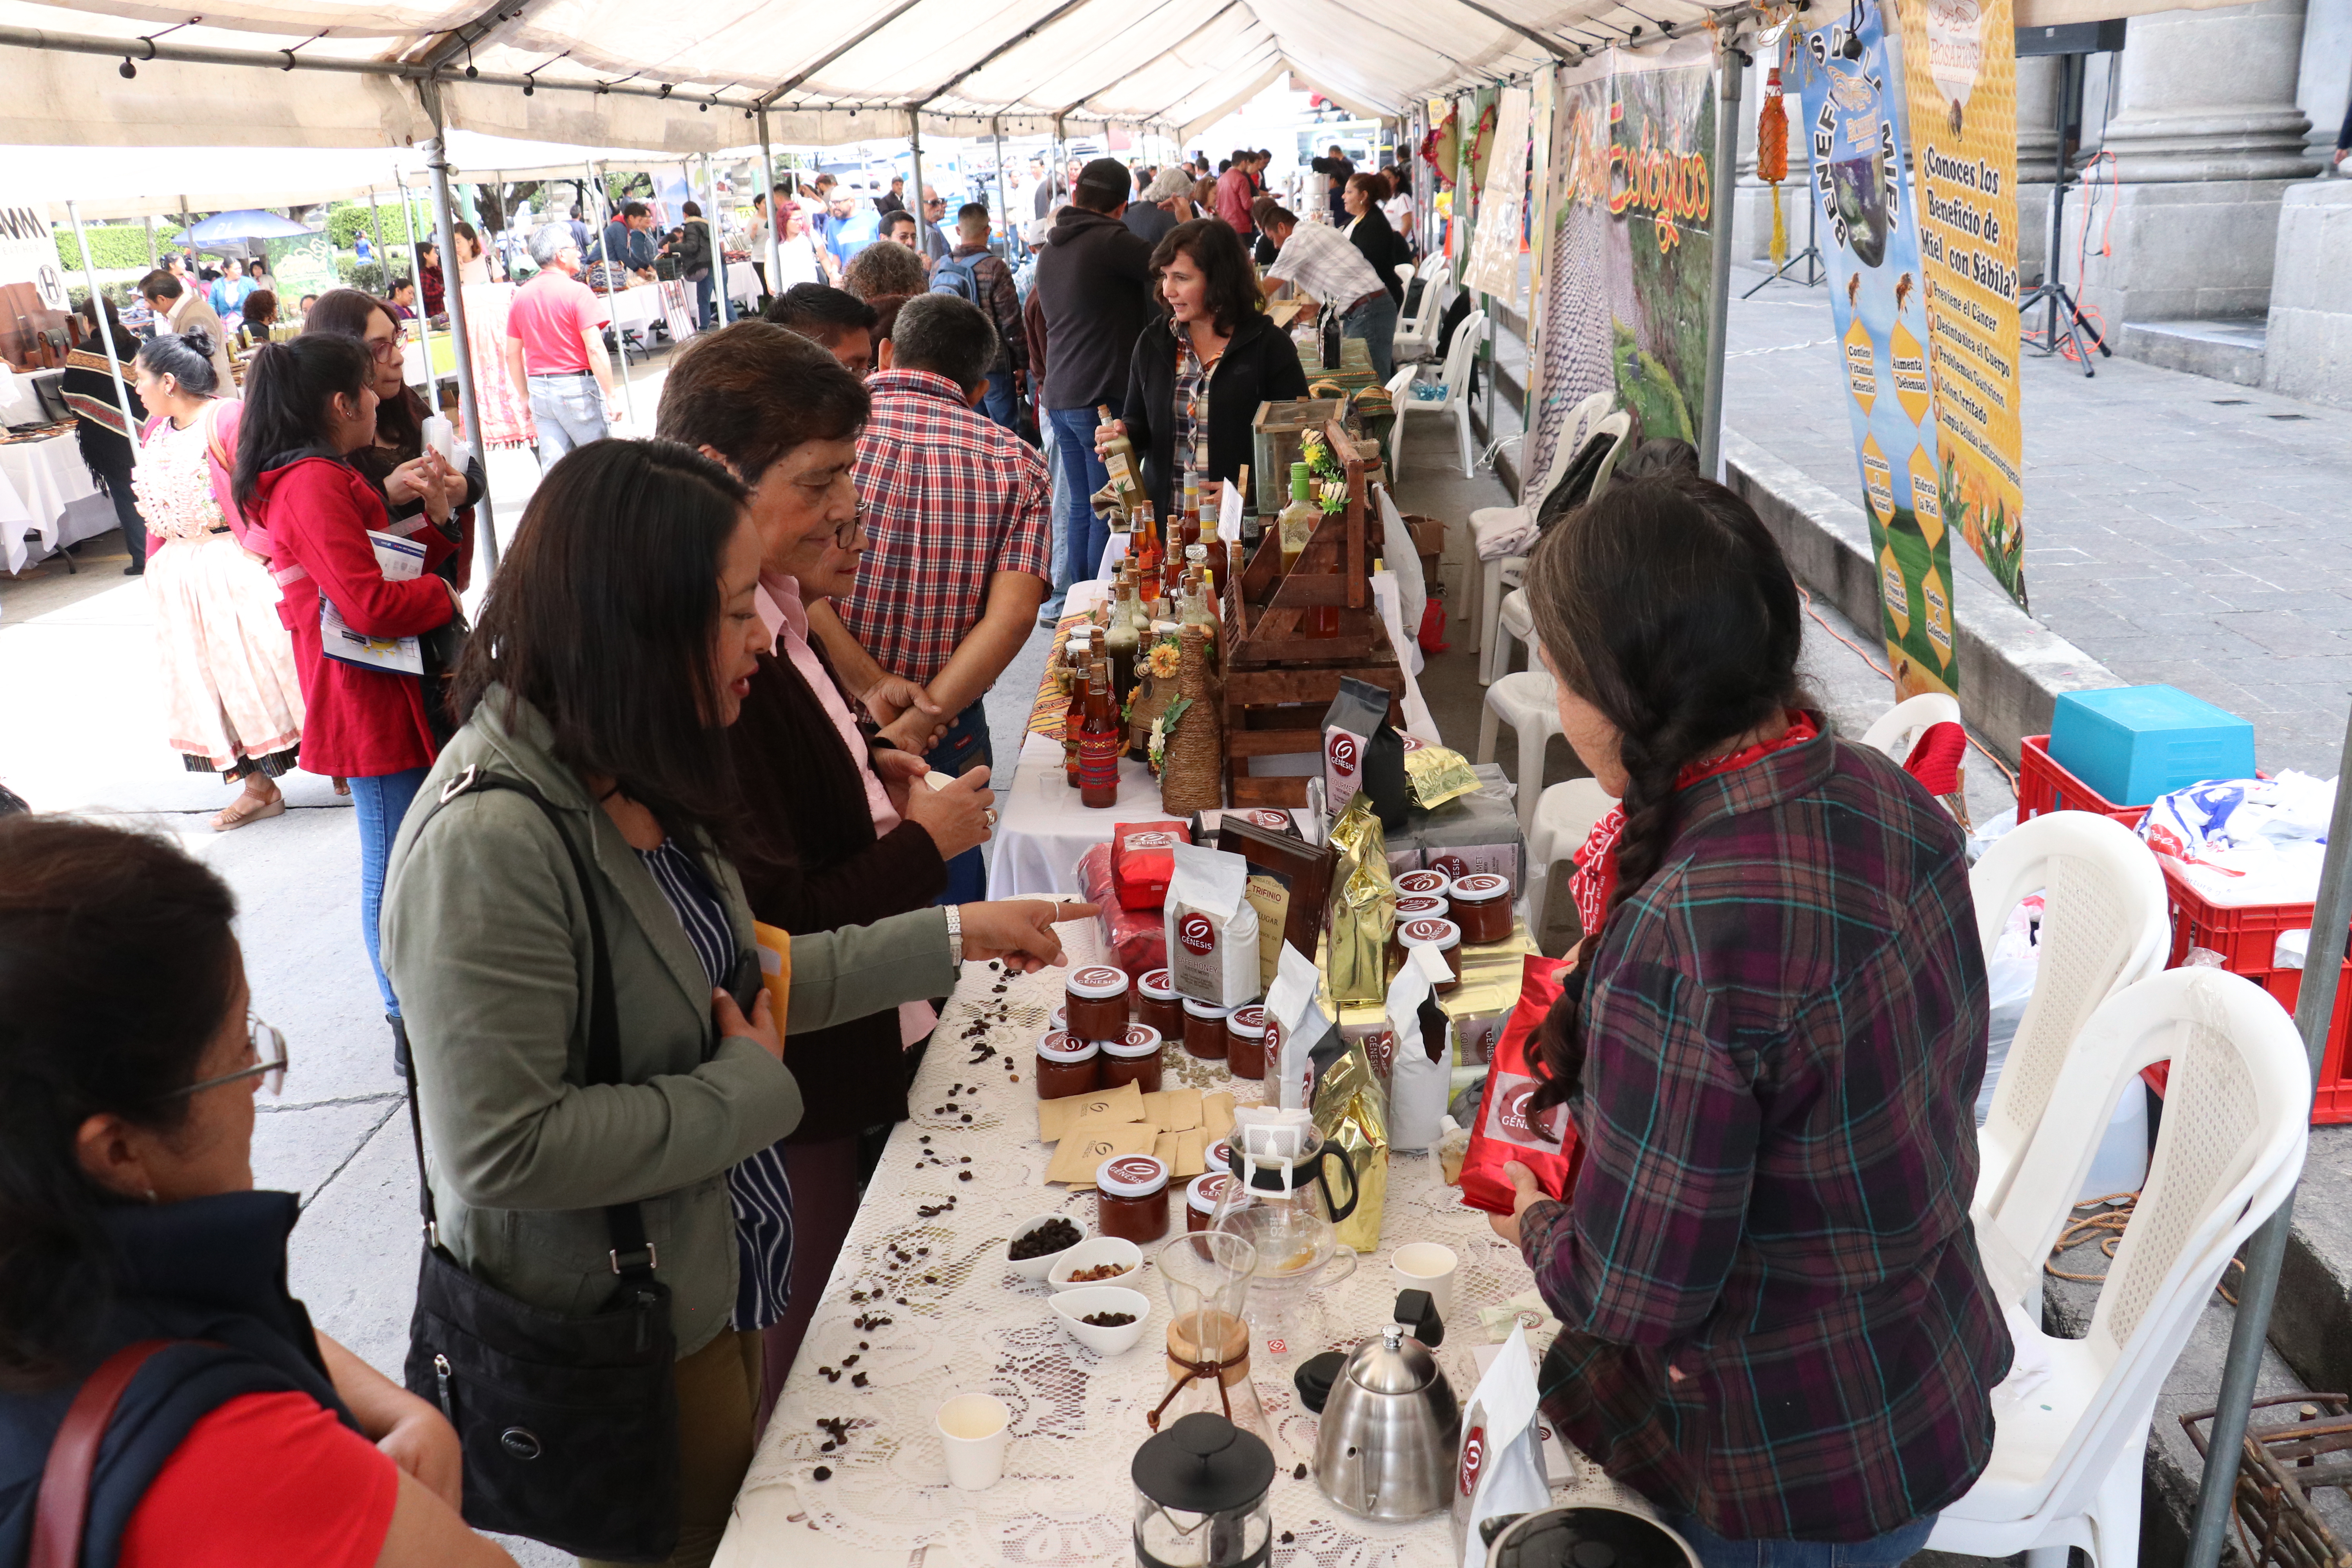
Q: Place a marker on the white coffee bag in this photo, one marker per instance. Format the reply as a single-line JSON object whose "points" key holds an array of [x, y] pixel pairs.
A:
{"points": [[1212, 930], [1500, 1468], [1421, 1058], [1296, 1024]]}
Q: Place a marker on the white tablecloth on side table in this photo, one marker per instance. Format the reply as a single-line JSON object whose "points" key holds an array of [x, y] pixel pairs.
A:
{"points": [[1041, 828], [38, 480], [743, 283], [954, 1318]]}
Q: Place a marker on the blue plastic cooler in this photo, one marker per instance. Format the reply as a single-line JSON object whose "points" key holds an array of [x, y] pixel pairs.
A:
{"points": [[2133, 744]]}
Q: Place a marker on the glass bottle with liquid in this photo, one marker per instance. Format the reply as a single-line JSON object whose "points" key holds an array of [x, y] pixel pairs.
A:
{"points": [[1299, 519], [1098, 742], [1118, 462], [1080, 651], [1146, 553], [1122, 641]]}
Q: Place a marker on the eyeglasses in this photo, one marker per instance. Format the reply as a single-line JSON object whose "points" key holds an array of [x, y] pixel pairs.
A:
{"points": [[267, 1047], [844, 534], [387, 350]]}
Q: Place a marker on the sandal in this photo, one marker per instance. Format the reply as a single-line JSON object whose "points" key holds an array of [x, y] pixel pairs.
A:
{"points": [[342, 785], [245, 809]]}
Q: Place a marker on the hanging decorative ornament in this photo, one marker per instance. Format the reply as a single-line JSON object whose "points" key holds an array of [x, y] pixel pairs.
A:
{"points": [[1773, 157]]}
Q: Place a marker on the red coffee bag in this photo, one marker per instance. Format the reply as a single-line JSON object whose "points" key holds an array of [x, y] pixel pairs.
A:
{"points": [[1141, 864], [1504, 1132]]}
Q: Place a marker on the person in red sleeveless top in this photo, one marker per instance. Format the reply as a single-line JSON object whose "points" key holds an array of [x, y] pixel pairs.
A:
{"points": [[1776, 1325], [128, 1215]]}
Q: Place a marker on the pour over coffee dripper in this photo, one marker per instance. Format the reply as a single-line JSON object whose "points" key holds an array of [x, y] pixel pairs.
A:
{"points": [[1207, 1276], [1287, 1171]]}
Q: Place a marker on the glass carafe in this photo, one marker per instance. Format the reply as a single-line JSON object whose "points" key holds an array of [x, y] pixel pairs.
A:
{"points": [[1207, 1275], [1299, 1186]]}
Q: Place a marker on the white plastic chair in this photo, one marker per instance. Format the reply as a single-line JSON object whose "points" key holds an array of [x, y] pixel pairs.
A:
{"points": [[2105, 925], [1529, 703], [1898, 729], [1512, 616], [1405, 274], [1416, 333], [1501, 533], [1455, 380], [2071, 1423], [1564, 817]]}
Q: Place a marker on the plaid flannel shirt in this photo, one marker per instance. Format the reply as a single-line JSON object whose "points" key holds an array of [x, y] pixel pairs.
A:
{"points": [[951, 500], [1784, 1035]]}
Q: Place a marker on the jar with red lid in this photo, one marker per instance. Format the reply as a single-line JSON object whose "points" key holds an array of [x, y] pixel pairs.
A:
{"points": [[1417, 908], [1200, 1198], [1157, 1004], [1132, 1197], [1096, 999], [1204, 1030], [1067, 1067], [1443, 935], [1133, 1058], [1481, 906], [1422, 885], [1245, 1043]]}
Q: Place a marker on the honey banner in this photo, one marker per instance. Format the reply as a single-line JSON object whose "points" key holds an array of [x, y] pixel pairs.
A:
{"points": [[1854, 133], [1633, 210], [1960, 71]]}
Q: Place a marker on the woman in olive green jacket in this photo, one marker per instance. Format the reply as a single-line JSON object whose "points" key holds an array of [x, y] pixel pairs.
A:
{"points": [[612, 651]]}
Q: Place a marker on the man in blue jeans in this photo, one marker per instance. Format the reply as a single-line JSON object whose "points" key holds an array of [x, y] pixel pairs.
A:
{"points": [[1094, 288]]}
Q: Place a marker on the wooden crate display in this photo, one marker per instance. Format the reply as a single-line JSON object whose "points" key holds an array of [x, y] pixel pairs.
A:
{"points": [[1278, 678], [1275, 434]]}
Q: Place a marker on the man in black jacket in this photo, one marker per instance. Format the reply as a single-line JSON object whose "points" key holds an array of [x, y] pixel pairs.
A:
{"points": [[1094, 288]]}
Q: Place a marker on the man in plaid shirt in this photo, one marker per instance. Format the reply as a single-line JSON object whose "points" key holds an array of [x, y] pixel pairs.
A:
{"points": [[1775, 1321], [959, 512]]}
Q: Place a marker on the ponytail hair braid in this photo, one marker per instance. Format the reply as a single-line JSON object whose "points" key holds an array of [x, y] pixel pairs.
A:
{"points": [[1667, 605]]}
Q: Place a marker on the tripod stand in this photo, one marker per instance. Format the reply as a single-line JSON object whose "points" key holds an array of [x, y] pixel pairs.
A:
{"points": [[2049, 292], [1811, 255]]}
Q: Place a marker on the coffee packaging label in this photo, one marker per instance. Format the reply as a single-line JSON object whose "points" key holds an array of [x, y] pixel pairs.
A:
{"points": [[1212, 928], [1355, 716], [1508, 1118]]}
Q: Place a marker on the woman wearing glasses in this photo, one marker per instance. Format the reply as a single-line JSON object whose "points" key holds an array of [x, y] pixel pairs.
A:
{"points": [[846, 835], [417, 486], [310, 406], [126, 1214]]}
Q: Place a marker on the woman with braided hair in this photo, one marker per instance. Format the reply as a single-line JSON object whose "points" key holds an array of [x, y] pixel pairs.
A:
{"points": [[1777, 1326]]}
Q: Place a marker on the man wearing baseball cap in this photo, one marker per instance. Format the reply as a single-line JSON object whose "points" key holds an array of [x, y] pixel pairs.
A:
{"points": [[1094, 286], [1167, 202]]}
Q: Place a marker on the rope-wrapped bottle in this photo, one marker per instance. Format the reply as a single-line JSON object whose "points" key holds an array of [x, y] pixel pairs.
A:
{"points": [[1191, 777]]}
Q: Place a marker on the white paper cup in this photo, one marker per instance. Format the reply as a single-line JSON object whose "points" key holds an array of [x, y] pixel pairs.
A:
{"points": [[973, 1430], [1426, 1266]]}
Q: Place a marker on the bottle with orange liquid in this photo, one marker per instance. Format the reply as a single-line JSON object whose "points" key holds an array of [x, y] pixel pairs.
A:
{"points": [[1098, 742]]}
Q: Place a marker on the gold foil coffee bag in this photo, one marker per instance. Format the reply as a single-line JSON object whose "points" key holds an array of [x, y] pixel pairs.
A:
{"points": [[1350, 1110], [1363, 907]]}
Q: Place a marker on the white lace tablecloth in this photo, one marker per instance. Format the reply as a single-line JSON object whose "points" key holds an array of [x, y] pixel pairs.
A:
{"points": [[955, 1319]]}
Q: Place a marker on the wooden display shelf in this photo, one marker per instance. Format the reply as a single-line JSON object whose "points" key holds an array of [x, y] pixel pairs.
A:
{"points": [[1280, 671]]}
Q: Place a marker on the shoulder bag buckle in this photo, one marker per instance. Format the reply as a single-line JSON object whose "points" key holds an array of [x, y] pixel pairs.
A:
{"points": [[458, 785]]}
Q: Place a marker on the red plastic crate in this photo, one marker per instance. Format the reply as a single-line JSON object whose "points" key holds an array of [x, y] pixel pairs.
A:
{"points": [[2043, 785], [2245, 938]]}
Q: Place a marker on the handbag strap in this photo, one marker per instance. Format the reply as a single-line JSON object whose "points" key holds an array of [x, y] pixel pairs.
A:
{"points": [[63, 1510], [633, 1256]]}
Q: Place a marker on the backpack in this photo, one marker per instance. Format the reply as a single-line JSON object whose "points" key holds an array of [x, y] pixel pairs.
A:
{"points": [[959, 276]]}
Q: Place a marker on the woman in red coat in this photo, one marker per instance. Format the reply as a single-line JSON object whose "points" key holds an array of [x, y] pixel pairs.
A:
{"points": [[309, 404]]}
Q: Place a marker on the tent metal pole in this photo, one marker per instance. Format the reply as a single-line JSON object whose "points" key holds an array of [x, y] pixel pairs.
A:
{"points": [[915, 195], [768, 188], [717, 249], [493, 245], [1004, 207], [417, 273], [2315, 1007], [611, 312], [470, 416], [1729, 63], [97, 315], [377, 239]]}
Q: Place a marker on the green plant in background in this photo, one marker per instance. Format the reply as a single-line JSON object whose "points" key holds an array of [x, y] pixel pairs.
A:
{"points": [[114, 245], [386, 225]]}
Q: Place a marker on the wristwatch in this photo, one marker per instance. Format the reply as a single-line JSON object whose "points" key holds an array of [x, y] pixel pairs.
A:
{"points": [[955, 934]]}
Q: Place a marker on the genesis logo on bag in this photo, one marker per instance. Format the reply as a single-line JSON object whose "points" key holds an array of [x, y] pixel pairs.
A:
{"points": [[1343, 754], [1151, 840], [1474, 1455], [1449, 865], [1511, 1120], [1198, 933]]}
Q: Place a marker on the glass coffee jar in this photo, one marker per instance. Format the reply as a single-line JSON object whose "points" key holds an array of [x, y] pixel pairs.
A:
{"points": [[1157, 1004], [1245, 1043], [1204, 1030], [1067, 1067], [1133, 1058], [1096, 999], [1200, 1198], [1132, 1197], [1443, 935], [1422, 885], [1481, 906]]}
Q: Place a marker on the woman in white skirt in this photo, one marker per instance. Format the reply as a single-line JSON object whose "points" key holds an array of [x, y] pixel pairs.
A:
{"points": [[231, 694]]}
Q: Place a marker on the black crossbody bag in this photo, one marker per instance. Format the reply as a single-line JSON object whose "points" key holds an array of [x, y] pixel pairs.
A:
{"points": [[568, 1424]]}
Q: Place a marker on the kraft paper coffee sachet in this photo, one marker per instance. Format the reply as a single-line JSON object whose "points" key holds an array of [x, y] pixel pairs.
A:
{"points": [[1295, 1026], [1421, 1059], [1362, 750], [1363, 908], [1350, 1112], [1212, 930]]}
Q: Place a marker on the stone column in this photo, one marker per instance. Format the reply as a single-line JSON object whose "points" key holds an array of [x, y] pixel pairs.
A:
{"points": [[1751, 216], [2206, 137], [2037, 158]]}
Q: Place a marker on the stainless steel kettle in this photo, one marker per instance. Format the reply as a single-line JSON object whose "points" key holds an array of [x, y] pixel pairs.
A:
{"points": [[1391, 1428]]}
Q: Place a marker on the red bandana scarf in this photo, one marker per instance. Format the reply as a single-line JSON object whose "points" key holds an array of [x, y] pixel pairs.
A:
{"points": [[1596, 863]]}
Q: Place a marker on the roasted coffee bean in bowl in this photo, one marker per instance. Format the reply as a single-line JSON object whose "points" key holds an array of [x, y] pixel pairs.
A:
{"points": [[1105, 1318], [1039, 1242]]}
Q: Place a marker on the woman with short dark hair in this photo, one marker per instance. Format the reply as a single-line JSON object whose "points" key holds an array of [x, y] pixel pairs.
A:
{"points": [[1777, 1327], [128, 1218], [1368, 228], [1203, 367], [100, 428]]}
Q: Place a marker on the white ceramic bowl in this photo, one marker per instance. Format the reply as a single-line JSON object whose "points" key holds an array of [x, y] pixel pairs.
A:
{"points": [[1034, 1268], [1086, 1300], [1093, 1254]]}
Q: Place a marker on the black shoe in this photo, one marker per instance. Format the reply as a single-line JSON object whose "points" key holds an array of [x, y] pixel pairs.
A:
{"points": [[136, 569], [399, 1043]]}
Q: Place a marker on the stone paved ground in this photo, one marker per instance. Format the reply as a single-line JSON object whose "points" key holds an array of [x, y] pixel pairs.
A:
{"points": [[2178, 530]]}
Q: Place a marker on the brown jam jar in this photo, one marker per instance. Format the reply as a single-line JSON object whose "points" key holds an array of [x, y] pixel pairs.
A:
{"points": [[1200, 1198], [1416, 909], [1204, 1030], [1096, 998], [1443, 935], [1133, 1058], [1131, 1198], [1245, 1043], [1156, 1004], [1481, 906], [1067, 1067], [1422, 885]]}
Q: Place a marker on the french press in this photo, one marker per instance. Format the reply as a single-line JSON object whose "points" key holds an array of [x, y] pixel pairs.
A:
{"points": [[1201, 1488]]}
